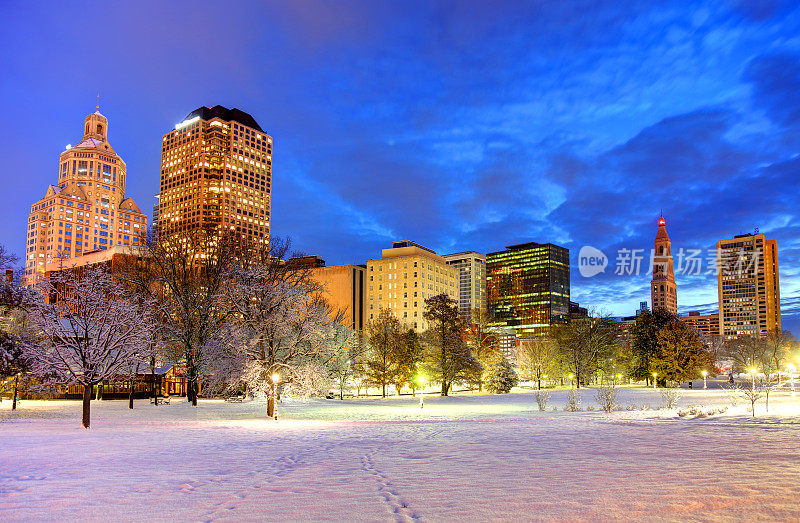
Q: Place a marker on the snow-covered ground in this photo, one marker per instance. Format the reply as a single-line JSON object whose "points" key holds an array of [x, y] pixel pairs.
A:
{"points": [[468, 457]]}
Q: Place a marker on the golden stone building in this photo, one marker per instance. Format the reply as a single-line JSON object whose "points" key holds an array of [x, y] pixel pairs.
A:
{"points": [[344, 289], [748, 286], [88, 210], [216, 175], [403, 278], [663, 291]]}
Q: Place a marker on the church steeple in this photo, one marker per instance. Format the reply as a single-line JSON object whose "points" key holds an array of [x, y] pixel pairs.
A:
{"points": [[663, 291]]}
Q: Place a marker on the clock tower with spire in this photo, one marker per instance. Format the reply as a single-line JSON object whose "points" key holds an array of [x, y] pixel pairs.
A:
{"points": [[663, 291]]}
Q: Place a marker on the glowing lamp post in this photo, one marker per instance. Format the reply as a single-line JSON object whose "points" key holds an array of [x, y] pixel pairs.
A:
{"points": [[275, 379], [753, 375], [705, 383], [421, 380], [619, 378], [791, 370], [655, 376], [570, 379]]}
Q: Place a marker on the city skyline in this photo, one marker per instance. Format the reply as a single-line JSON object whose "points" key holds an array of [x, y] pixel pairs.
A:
{"points": [[464, 138]]}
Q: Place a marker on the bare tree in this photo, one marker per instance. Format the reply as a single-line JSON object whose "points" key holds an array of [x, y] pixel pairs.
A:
{"points": [[537, 358], [606, 396], [482, 342], [88, 329], [753, 394], [347, 350], [186, 274], [584, 344], [383, 337]]}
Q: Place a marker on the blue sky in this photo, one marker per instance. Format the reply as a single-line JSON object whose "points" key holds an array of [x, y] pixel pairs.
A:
{"points": [[460, 125]]}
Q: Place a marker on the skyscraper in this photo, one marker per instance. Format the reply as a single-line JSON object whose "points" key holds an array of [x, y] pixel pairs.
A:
{"points": [[216, 175], [87, 211], [471, 267], [663, 291], [403, 278], [528, 287], [748, 286]]}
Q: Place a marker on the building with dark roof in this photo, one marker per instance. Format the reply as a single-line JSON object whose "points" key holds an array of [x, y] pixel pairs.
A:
{"points": [[216, 176]]}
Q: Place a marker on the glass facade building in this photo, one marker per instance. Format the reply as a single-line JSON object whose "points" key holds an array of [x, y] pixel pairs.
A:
{"points": [[528, 287]]}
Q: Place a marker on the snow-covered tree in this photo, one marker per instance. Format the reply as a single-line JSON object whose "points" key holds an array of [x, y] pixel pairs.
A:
{"points": [[345, 357], [280, 319], [186, 275], [500, 377], [87, 329]]}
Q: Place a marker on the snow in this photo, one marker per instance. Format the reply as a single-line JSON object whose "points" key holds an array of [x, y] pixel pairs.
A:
{"points": [[472, 457]]}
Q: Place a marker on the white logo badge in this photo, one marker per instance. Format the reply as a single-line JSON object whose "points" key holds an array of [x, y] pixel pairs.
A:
{"points": [[591, 261]]}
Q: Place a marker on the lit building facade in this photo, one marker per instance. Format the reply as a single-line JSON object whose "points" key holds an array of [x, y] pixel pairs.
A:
{"points": [[403, 278], [471, 267], [663, 291], [705, 324], [343, 288], [216, 176], [88, 210], [748, 286], [528, 287]]}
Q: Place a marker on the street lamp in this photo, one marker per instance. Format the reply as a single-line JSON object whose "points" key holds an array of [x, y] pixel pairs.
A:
{"points": [[275, 379], [705, 383], [791, 370], [753, 375], [655, 375], [570, 379], [619, 378], [421, 381]]}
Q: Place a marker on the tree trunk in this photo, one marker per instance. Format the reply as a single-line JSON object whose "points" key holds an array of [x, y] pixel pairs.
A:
{"points": [[87, 400], [271, 401], [16, 385], [153, 379], [577, 380], [99, 393], [539, 384], [130, 393], [444, 387]]}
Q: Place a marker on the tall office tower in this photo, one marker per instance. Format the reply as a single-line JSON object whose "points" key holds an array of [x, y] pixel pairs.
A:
{"points": [[471, 267], [748, 286], [663, 291], [528, 287], [216, 175], [403, 278], [87, 211], [154, 223]]}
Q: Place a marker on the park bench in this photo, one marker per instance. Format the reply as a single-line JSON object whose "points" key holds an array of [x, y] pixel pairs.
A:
{"points": [[235, 399], [160, 401]]}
